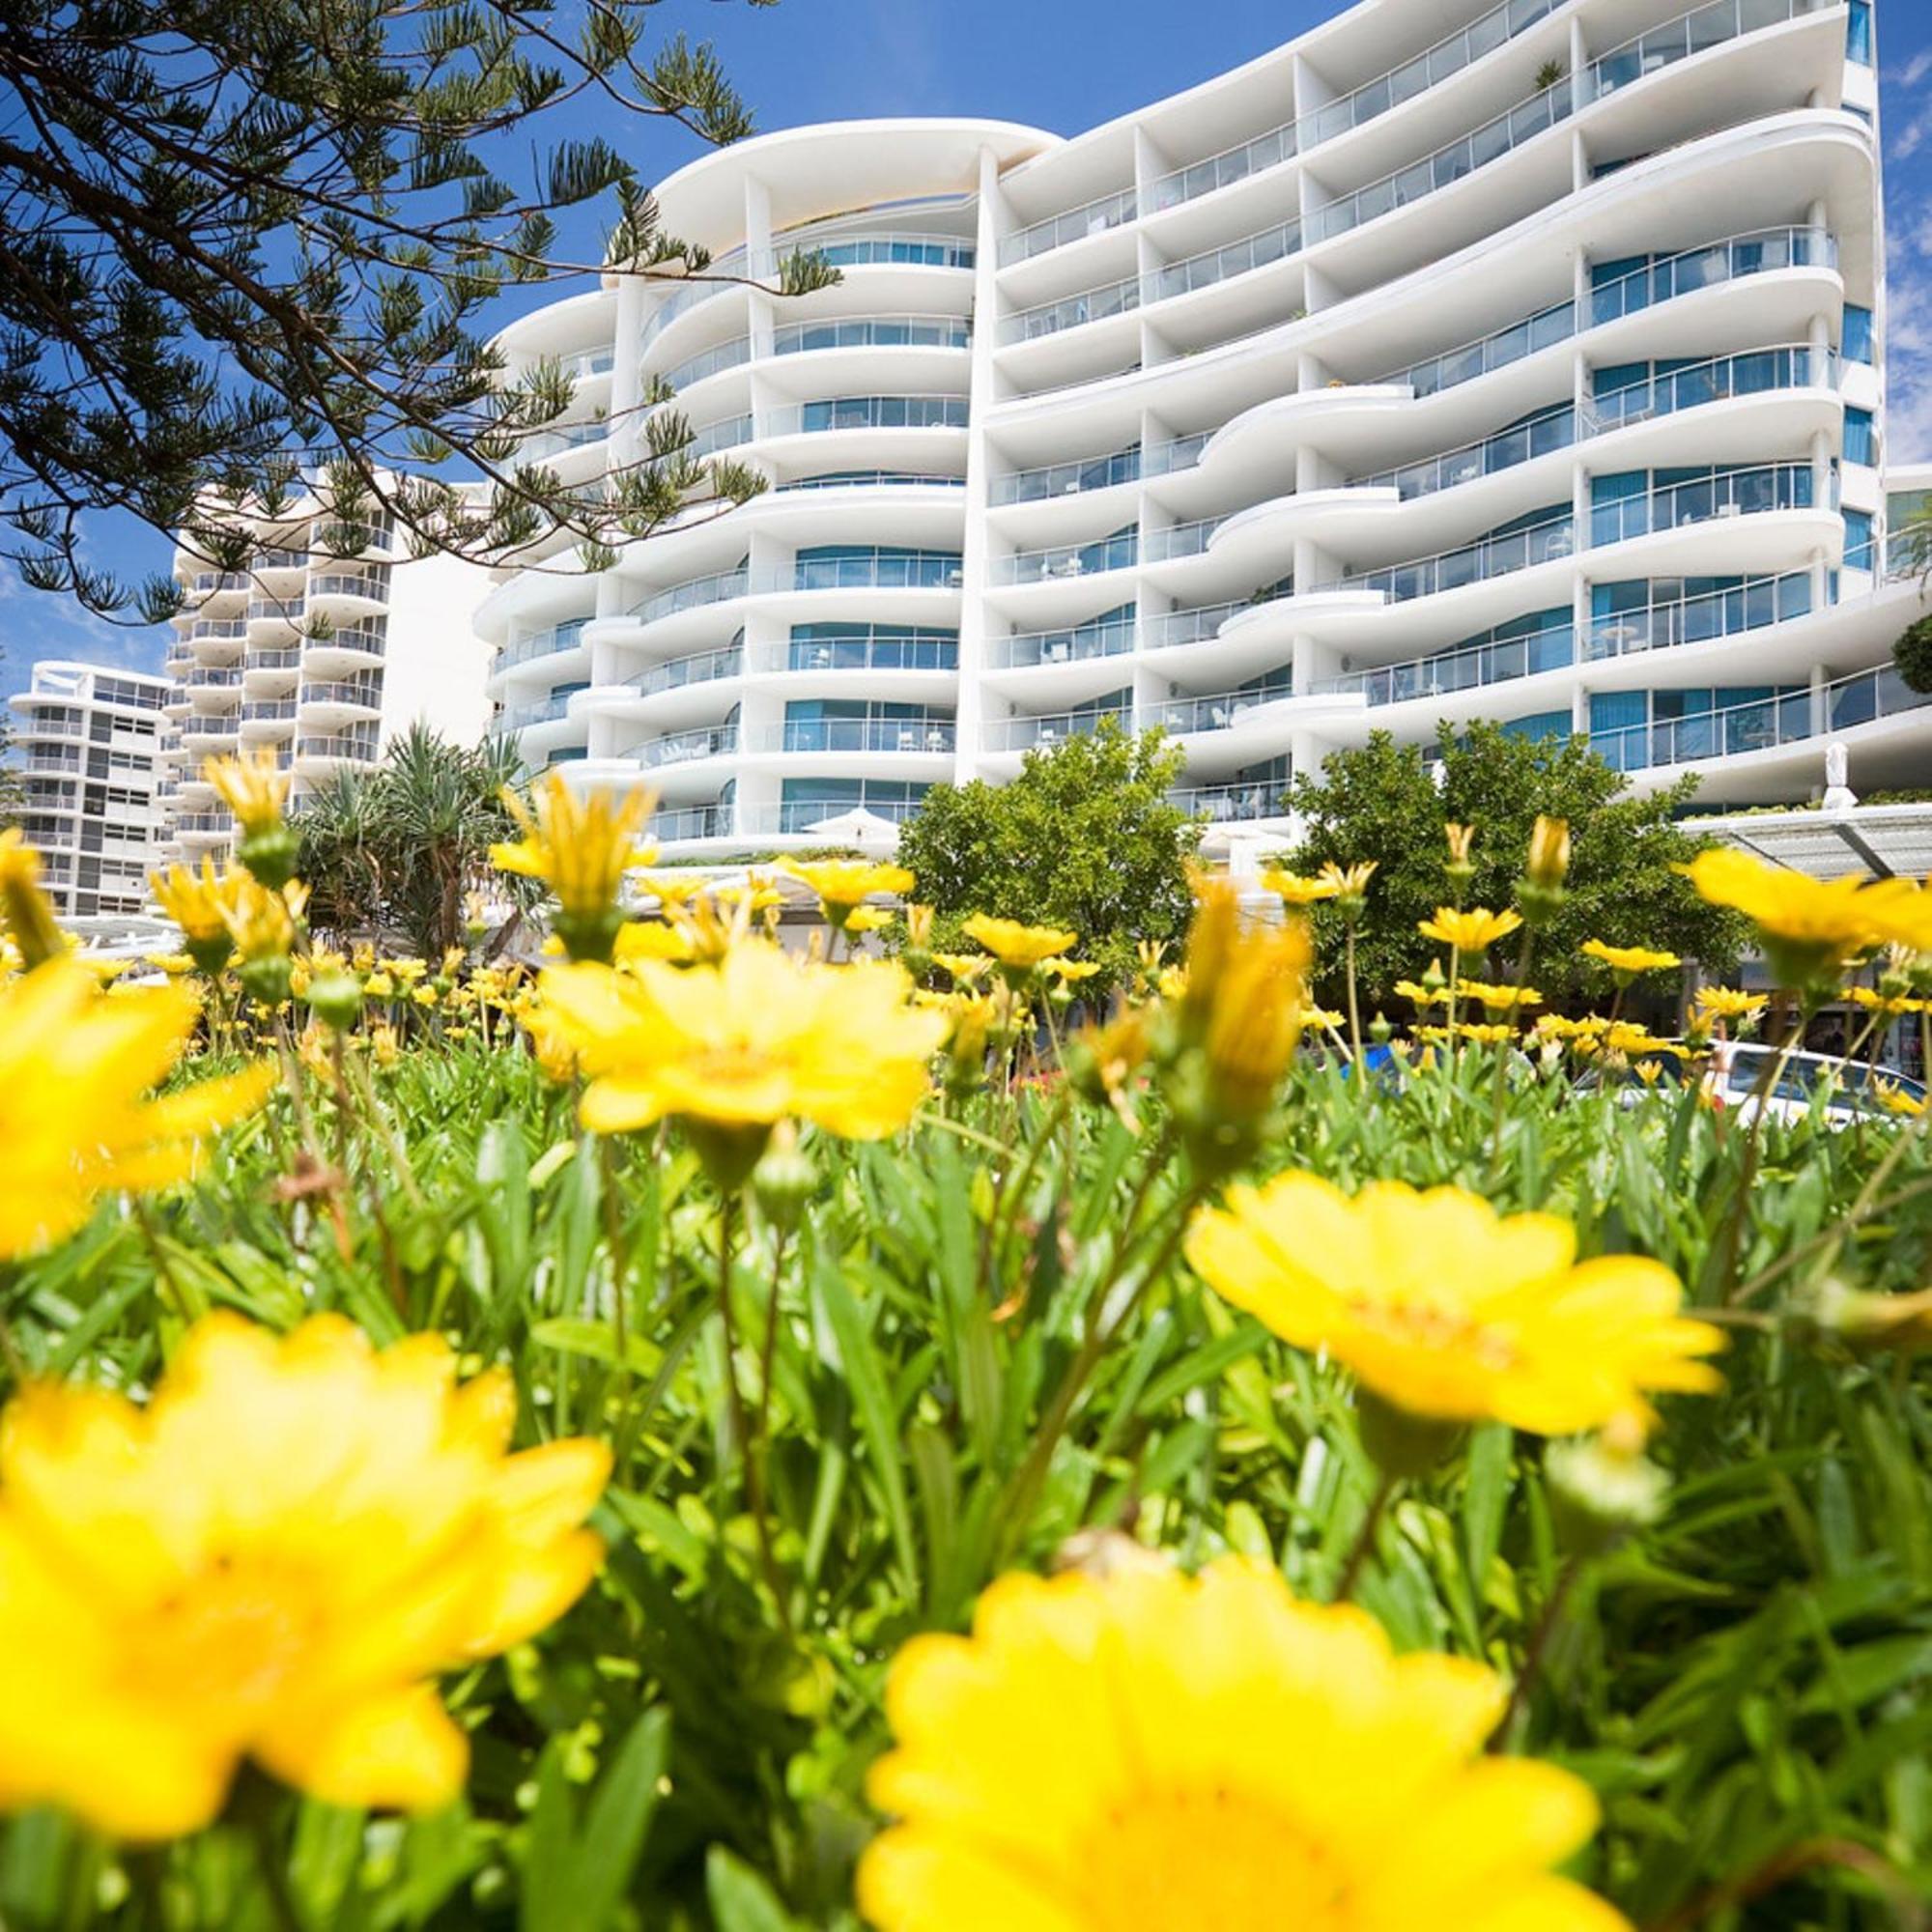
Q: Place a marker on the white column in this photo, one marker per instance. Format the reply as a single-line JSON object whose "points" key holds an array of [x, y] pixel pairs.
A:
{"points": [[971, 707]]}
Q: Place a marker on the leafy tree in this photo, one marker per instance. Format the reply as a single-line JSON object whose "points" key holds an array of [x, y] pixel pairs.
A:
{"points": [[393, 853], [1913, 654], [1084, 837], [244, 239], [1382, 803]]}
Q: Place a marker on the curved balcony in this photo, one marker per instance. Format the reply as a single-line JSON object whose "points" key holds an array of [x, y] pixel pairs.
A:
{"points": [[734, 354], [358, 643], [1024, 733], [553, 643], [1695, 32], [870, 479], [524, 717], [1736, 493], [208, 684], [1488, 557], [363, 695], [1212, 265], [338, 747], [863, 413], [366, 586], [688, 822], [1234, 803], [1738, 730], [544, 444], [205, 824], [1448, 164], [918, 572], [686, 747], [1063, 561], [1723, 378], [882, 650], [1067, 479], [211, 731], [924, 737], [1080, 643], [1074, 311], [875, 331], [1212, 711], [268, 718], [1094, 218], [695, 668], [217, 630]]}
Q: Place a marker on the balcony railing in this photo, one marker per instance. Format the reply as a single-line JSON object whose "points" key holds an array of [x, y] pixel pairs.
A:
{"points": [[1094, 218], [867, 479], [683, 748], [1472, 563], [369, 640], [869, 412], [927, 736], [221, 822], [1028, 325], [285, 657], [1756, 373], [714, 361], [1541, 436], [1667, 623], [698, 667], [1762, 252], [1216, 710], [372, 584], [542, 444], [351, 744], [544, 711], [267, 709], [1190, 624], [1737, 493], [1067, 560], [217, 630], [1445, 673], [726, 432], [880, 652], [283, 558], [206, 677], [1105, 637], [1069, 480], [692, 821], [1693, 33], [1022, 734], [874, 331], [545, 643], [364, 692], [1447, 165], [927, 571], [1235, 258], [1179, 540], [1230, 804], [1760, 724]]}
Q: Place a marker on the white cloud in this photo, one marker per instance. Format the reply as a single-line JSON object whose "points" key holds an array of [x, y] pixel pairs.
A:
{"points": [[37, 624], [1915, 68]]}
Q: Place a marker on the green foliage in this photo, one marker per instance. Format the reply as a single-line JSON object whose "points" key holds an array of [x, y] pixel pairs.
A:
{"points": [[245, 239], [392, 853], [1747, 1683], [1084, 837], [1913, 655], [1380, 803]]}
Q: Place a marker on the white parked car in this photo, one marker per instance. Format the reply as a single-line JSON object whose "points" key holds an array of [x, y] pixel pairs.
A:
{"points": [[1737, 1069]]}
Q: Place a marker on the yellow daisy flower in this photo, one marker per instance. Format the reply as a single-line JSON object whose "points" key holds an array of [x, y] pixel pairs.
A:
{"points": [[731, 1048], [581, 848], [1497, 999], [652, 939], [1299, 889], [1153, 1752], [1730, 1003], [1806, 926], [1015, 947], [841, 884], [1628, 961], [74, 1071], [1449, 1311], [271, 1561], [1473, 931]]}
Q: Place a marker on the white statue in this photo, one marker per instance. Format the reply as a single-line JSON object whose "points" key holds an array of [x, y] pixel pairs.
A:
{"points": [[1838, 795]]}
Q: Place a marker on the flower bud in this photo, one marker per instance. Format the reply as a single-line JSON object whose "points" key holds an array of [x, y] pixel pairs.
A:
{"points": [[335, 999], [784, 1180], [1599, 1491]]}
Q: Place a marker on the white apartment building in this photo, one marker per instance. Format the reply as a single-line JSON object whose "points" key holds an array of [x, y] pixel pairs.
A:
{"points": [[333, 642], [94, 747], [1460, 361]]}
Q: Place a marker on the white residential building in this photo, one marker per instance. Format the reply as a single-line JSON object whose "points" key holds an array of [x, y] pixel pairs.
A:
{"points": [[1460, 361], [94, 748], [333, 642]]}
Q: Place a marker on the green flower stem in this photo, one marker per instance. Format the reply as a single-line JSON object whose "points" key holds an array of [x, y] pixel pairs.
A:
{"points": [[1365, 1537], [1535, 1654]]}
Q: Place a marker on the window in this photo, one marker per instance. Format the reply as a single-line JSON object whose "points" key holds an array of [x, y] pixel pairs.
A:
{"points": [[1860, 438], [1859, 343], [1859, 34], [1860, 553]]}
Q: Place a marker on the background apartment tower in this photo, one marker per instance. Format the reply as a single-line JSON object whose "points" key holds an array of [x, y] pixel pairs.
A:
{"points": [[94, 748], [329, 644], [1517, 362]]}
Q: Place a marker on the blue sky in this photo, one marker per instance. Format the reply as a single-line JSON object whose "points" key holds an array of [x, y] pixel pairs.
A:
{"points": [[1060, 64]]}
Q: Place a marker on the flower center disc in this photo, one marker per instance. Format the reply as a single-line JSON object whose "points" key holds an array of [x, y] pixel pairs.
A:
{"points": [[1198, 1861]]}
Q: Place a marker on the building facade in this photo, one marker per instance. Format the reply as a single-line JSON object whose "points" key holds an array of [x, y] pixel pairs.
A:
{"points": [[330, 644], [95, 749], [1460, 361]]}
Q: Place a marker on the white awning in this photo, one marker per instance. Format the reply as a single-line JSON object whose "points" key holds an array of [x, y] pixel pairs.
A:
{"points": [[1881, 840]]}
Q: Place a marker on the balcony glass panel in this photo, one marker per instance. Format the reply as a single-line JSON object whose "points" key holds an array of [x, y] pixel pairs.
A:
{"points": [[1069, 480], [1095, 218], [1729, 492], [730, 354], [1693, 33], [885, 331], [1236, 257], [1496, 555], [1111, 635], [1071, 311]]}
